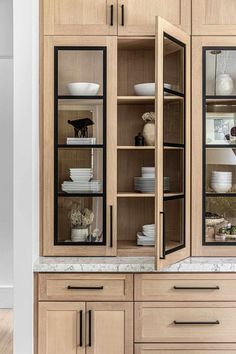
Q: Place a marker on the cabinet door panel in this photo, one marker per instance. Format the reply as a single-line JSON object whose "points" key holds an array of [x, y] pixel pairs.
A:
{"points": [[214, 17], [111, 328], [59, 328], [139, 15], [81, 17], [184, 348]]}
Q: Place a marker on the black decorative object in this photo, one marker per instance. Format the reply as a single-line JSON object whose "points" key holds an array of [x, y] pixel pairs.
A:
{"points": [[139, 140], [81, 127]]}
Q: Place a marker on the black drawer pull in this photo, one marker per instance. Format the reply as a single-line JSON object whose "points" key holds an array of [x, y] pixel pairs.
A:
{"points": [[81, 328], [85, 287], [197, 287], [111, 226], [196, 322], [122, 15], [90, 328], [112, 15]]}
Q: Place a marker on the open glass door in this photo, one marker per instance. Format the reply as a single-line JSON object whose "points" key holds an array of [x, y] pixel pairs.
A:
{"points": [[173, 143]]}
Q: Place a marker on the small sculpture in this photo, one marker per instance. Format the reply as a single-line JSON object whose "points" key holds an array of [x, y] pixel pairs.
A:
{"points": [[139, 140], [149, 128], [81, 127]]}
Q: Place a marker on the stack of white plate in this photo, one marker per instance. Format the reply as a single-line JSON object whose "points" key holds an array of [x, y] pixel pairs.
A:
{"points": [[81, 141], [221, 182], [147, 236], [166, 184], [81, 187], [146, 183], [81, 174]]}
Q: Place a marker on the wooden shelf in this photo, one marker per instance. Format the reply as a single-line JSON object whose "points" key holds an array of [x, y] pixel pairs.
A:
{"points": [[135, 195], [145, 99], [135, 147], [130, 248], [172, 244], [173, 195]]}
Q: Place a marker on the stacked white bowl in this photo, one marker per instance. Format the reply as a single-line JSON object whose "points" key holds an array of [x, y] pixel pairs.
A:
{"points": [[81, 181], [147, 236], [81, 174], [146, 183], [221, 182]]}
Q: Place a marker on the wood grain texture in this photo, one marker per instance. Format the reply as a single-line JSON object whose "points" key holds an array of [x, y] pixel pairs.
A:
{"points": [[6, 331], [116, 287], [112, 328], [79, 17], [214, 17], [185, 348], [155, 322], [160, 287], [139, 18]]}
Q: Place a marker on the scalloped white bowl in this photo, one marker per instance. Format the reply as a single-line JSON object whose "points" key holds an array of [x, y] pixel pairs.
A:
{"points": [[83, 88]]}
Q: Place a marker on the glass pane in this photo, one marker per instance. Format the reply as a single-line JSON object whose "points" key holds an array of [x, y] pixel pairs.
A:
{"points": [[174, 170], [173, 64], [220, 72], [174, 223], [80, 122], [220, 219], [80, 170], [220, 170], [80, 72], [174, 122], [80, 220]]}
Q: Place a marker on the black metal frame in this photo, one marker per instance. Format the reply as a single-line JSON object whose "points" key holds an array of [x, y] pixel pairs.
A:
{"points": [[57, 146], [183, 146], [209, 146]]}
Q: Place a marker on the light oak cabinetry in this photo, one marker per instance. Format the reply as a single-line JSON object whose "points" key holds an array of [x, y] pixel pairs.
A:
{"points": [[184, 348], [213, 17], [112, 17]]}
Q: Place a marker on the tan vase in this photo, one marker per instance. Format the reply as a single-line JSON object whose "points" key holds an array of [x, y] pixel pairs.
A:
{"points": [[149, 133]]}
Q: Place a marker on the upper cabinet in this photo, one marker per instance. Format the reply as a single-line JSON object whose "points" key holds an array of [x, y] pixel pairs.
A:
{"points": [[213, 17], [112, 17], [81, 17], [137, 18]]}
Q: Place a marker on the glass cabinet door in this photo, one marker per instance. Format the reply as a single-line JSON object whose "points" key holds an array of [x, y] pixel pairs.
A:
{"points": [[219, 146], [172, 155]]}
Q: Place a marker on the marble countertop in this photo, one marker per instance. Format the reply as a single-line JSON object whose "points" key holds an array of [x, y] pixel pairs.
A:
{"points": [[132, 264]]}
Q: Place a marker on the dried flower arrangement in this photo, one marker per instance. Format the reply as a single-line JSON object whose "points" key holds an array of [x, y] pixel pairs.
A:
{"points": [[81, 217], [148, 117]]}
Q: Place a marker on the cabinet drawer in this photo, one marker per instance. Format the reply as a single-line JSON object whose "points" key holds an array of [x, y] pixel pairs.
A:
{"points": [[181, 322], [185, 348], [185, 287], [89, 287]]}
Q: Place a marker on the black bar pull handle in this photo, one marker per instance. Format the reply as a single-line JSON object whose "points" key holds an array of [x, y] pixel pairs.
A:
{"points": [[69, 287], [196, 322], [111, 226], [90, 328], [81, 328], [112, 15], [163, 256], [122, 15], [196, 287]]}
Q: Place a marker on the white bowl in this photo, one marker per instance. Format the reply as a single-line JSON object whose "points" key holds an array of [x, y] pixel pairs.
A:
{"points": [[219, 173], [221, 187], [83, 88], [145, 89]]}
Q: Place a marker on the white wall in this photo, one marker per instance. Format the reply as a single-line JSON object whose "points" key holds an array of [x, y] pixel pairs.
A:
{"points": [[6, 154], [26, 160]]}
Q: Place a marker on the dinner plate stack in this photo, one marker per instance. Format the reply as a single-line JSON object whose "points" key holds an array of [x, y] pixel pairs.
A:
{"points": [[145, 183], [147, 236], [81, 141], [81, 187], [81, 174], [166, 184]]}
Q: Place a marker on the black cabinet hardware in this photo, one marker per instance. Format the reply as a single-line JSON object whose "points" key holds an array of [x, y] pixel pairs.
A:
{"points": [[111, 226], [163, 235], [81, 328], [197, 287], [112, 14], [90, 328], [196, 322], [122, 15], [84, 287]]}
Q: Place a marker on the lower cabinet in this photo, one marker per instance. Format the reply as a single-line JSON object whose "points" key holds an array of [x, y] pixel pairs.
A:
{"points": [[83, 327], [184, 349]]}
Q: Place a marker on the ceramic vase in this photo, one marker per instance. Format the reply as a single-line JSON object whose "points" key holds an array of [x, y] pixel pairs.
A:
{"points": [[149, 133], [224, 85], [79, 235]]}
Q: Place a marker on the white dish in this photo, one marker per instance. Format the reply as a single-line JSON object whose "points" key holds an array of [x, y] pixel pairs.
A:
{"points": [[147, 89], [221, 187], [83, 88]]}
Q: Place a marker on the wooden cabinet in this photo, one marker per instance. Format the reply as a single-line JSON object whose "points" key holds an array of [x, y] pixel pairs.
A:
{"points": [[79, 17], [60, 328], [137, 18], [185, 348], [79, 328], [213, 17]]}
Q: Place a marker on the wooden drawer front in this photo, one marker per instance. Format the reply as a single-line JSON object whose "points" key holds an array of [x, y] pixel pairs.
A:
{"points": [[206, 322], [89, 287], [185, 348], [188, 287]]}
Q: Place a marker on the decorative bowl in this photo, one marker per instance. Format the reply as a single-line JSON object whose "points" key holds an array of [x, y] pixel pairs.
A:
{"points": [[83, 88]]}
